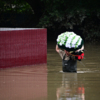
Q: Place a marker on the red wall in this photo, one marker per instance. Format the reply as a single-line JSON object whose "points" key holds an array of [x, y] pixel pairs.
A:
{"points": [[23, 47]]}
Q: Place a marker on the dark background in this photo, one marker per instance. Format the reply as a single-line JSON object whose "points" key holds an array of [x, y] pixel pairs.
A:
{"points": [[80, 16]]}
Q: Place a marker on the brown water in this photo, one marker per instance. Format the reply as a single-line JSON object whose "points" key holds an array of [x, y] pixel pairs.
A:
{"points": [[48, 82]]}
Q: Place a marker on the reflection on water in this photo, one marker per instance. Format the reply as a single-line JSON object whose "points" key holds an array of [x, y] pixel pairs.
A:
{"points": [[48, 82], [70, 89], [24, 83]]}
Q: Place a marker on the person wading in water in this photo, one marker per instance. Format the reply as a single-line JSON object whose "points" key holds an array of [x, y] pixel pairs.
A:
{"points": [[71, 48]]}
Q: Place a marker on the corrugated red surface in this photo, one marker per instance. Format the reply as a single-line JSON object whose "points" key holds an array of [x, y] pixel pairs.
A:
{"points": [[23, 47]]}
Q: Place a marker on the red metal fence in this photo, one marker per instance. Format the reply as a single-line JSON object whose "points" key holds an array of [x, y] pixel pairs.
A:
{"points": [[22, 47]]}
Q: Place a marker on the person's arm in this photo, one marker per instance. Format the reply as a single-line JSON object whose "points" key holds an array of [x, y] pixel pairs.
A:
{"points": [[57, 48]]}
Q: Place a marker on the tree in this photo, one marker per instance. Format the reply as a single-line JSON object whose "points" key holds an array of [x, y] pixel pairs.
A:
{"points": [[56, 15], [15, 13]]}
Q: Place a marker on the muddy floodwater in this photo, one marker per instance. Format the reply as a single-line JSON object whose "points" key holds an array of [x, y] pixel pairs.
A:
{"points": [[48, 82]]}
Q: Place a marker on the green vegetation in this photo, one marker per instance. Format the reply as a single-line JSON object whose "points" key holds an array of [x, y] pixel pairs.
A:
{"points": [[65, 14], [15, 13], [56, 15], [17, 6]]}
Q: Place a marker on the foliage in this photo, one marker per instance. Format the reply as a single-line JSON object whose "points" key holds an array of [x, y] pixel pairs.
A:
{"points": [[66, 14], [15, 13], [57, 15], [17, 6]]}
